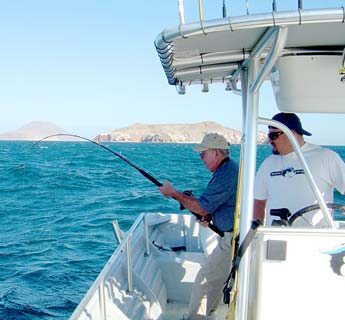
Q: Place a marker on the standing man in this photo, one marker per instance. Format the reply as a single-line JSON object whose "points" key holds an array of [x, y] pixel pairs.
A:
{"points": [[280, 181], [218, 201]]}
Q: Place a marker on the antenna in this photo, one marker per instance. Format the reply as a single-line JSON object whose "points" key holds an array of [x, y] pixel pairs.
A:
{"points": [[300, 4], [181, 11]]}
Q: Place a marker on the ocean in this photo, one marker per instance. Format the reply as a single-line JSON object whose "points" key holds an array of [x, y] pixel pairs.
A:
{"points": [[57, 203]]}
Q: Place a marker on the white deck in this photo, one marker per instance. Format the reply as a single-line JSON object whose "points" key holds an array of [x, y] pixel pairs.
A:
{"points": [[162, 280], [175, 310]]}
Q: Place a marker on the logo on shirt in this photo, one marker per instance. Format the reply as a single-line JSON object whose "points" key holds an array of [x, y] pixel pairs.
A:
{"points": [[288, 172]]}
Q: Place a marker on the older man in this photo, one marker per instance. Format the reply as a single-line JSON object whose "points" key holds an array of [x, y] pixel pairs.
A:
{"points": [[217, 201]]}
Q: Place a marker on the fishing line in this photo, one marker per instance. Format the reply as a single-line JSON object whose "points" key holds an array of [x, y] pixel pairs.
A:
{"points": [[30, 173], [144, 173], [141, 171]]}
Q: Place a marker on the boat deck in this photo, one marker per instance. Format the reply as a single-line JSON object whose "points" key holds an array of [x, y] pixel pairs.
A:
{"points": [[176, 310]]}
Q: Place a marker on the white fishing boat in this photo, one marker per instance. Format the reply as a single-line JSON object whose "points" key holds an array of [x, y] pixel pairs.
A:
{"points": [[286, 272]]}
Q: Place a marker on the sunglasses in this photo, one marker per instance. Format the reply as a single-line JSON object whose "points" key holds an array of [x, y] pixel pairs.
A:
{"points": [[274, 135], [202, 154]]}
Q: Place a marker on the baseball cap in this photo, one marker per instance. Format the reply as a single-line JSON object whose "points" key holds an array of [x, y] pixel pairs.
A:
{"points": [[291, 121], [212, 141]]}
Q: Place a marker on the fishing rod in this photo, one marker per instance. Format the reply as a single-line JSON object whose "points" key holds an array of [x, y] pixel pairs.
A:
{"points": [[141, 171], [144, 173]]}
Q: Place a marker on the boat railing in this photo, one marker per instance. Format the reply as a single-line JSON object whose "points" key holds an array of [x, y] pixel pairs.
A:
{"points": [[126, 244], [100, 284], [181, 10], [307, 172], [201, 14], [120, 238]]}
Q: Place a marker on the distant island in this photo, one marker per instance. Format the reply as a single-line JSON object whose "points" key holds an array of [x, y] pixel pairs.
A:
{"points": [[173, 133], [150, 133], [36, 130]]}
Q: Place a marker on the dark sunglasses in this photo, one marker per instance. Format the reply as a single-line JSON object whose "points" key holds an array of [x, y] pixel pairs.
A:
{"points": [[274, 135]]}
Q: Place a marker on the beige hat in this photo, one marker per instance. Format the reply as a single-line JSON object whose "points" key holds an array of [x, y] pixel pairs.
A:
{"points": [[212, 141]]}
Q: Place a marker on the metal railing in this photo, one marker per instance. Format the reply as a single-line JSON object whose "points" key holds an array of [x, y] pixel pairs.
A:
{"points": [[99, 283], [126, 244], [181, 10]]}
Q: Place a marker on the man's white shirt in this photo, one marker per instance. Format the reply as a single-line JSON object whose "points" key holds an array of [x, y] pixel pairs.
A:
{"points": [[281, 180]]}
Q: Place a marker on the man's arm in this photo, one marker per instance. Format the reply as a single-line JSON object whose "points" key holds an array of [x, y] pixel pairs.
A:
{"points": [[188, 202], [259, 209]]}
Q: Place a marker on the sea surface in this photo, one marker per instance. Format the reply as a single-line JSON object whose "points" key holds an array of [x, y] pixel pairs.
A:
{"points": [[57, 201]]}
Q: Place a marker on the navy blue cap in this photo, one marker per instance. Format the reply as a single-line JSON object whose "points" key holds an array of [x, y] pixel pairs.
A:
{"points": [[292, 122]]}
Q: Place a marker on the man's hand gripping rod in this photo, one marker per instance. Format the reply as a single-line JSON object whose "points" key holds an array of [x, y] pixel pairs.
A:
{"points": [[200, 217], [188, 193]]}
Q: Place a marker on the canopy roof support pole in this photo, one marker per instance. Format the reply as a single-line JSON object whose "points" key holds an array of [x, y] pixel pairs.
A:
{"points": [[248, 186], [278, 46], [277, 36]]}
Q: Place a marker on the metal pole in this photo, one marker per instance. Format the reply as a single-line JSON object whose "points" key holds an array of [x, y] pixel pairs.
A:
{"points": [[129, 265], [224, 9], [244, 89], [101, 301], [147, 237], [117, 231], [306, 169], [255, 79], [247, 194], [181, 11], [279, 35]]}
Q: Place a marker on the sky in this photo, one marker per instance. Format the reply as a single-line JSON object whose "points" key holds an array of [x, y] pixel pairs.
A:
{"points": [[90, 66]]}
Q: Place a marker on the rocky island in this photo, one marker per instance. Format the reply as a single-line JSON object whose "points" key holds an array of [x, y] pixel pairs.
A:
{"points": [[172, 133], [150, 133], [34, 131]]}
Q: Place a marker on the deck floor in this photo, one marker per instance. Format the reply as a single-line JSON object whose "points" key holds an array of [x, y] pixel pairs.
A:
{"points": [[176, 310]]}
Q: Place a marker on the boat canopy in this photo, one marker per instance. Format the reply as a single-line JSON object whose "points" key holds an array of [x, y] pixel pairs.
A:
{"points": [[214, 51]]}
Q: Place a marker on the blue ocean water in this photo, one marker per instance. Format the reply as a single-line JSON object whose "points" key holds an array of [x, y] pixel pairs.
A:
{"points": [[57, 203]]}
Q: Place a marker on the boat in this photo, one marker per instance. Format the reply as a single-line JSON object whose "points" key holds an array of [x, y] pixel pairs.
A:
{"points": [[288, 272]]}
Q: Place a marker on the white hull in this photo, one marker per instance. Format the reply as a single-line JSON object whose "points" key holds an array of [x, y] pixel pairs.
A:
{"points": [[291, 274], [162, 280], [298, 283]]}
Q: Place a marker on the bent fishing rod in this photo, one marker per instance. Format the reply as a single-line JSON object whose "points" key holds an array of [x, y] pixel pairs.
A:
{"points": [[141, 171]]}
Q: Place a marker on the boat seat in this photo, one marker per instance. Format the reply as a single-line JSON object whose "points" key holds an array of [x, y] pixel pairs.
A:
{"points": [[154, 219], [179, 273]]}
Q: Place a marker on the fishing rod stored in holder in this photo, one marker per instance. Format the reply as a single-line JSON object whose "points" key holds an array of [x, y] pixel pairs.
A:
{"points": [[141, 171]]}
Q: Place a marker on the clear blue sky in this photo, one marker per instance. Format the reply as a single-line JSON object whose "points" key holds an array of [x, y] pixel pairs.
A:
{"points": [[91, 66]]}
